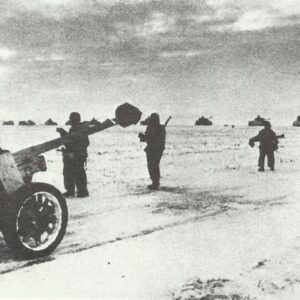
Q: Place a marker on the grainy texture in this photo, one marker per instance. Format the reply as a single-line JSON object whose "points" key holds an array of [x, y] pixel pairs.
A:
{"points": [[216, 228]]}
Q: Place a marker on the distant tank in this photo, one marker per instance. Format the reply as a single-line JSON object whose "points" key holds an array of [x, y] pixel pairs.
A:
{"points": [[30, 122], [203, 122], [297, 123], [26, 123], [22, 123], [8, 123], [50, 122], [258, 121]]}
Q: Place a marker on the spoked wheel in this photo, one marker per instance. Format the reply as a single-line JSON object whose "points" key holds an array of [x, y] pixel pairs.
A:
{"points": [[36, 220]]}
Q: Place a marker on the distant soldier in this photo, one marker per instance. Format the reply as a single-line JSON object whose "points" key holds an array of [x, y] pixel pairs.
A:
{"points": [[74, 158], [268, 144], [155, 137]]}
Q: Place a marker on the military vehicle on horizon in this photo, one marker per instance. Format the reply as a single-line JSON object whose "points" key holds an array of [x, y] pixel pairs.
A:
{"points": [[203, 122], [27, 123], [50, 122], [258, 121], [8, 123]]}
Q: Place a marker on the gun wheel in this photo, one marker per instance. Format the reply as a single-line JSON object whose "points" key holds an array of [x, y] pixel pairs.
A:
{"points": [[37, 220]]}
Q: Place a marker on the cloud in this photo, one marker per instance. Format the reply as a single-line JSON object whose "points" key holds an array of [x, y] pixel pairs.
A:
{"points": [[59, 9], [185, 54], [261, 19], [81, 32], [255, 15], [6, 53], [97, 30], [50, 57], [159, 23]]}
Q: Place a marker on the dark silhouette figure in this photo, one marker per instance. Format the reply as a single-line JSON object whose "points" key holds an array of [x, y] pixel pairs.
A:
{"points": [[155, 137], [74, 158], [268, 144]]}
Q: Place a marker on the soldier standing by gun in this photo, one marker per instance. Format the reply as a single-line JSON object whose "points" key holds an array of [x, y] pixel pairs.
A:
{"points": [[74, 158], [268, 144], [155, 137]]}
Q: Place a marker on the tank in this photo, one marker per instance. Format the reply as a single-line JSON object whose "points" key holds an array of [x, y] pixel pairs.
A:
{"points": [[50, 122], [8, 123], [203, 122], [26, 123], [23, 123], [258, 121], [30, 123], [297, 122]]}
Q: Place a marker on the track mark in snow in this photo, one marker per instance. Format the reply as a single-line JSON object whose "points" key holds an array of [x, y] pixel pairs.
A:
{"points": [[181, 200], [150, 231], [28, 264], [117, 239], [212, 289]]}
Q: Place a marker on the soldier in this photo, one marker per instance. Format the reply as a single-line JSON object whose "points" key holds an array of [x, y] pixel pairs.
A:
{"points": [[268, 144], [155, 137], [74, 158]]}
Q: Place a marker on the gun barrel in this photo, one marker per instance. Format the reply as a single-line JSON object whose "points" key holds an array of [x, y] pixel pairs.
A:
{"points": [[36, 150], [125, 115], [168, 120]]}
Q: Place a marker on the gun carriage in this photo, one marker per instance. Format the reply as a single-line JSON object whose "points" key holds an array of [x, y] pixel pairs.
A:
{"points": [[34, 215]]}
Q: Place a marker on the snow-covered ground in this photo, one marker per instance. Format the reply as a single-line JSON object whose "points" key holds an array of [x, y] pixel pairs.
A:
{"points": [[217, 229]]}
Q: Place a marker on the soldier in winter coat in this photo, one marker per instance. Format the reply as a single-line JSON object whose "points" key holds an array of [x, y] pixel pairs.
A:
{"points": [[74, 158], [155, 137], [268, 144]]}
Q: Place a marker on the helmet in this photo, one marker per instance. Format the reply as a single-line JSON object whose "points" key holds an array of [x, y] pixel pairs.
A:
{"points": [[267, 124], [74, 118], [154, 118]]}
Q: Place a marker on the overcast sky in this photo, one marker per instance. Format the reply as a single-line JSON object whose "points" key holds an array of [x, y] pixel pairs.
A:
{"points": [[223, 58]]}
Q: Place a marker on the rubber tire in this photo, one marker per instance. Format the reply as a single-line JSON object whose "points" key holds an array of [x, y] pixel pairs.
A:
{"points": [[13, 206]]}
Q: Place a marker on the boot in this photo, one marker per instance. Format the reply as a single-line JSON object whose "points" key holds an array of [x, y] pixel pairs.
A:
{"points": [[68, 194], [154, 186], [82, 193]]}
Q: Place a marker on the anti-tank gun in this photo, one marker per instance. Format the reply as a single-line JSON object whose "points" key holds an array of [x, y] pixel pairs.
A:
{"points": [[34, 216]]}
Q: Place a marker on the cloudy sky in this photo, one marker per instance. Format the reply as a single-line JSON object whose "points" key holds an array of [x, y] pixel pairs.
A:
{"points": [[230, 59]]}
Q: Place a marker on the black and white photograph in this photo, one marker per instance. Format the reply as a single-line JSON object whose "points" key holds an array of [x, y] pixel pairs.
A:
{"points": [[150, 149]]}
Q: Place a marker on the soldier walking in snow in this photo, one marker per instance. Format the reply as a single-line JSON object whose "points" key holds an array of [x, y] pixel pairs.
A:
{"points": [[268, 144], [155, 137]]}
